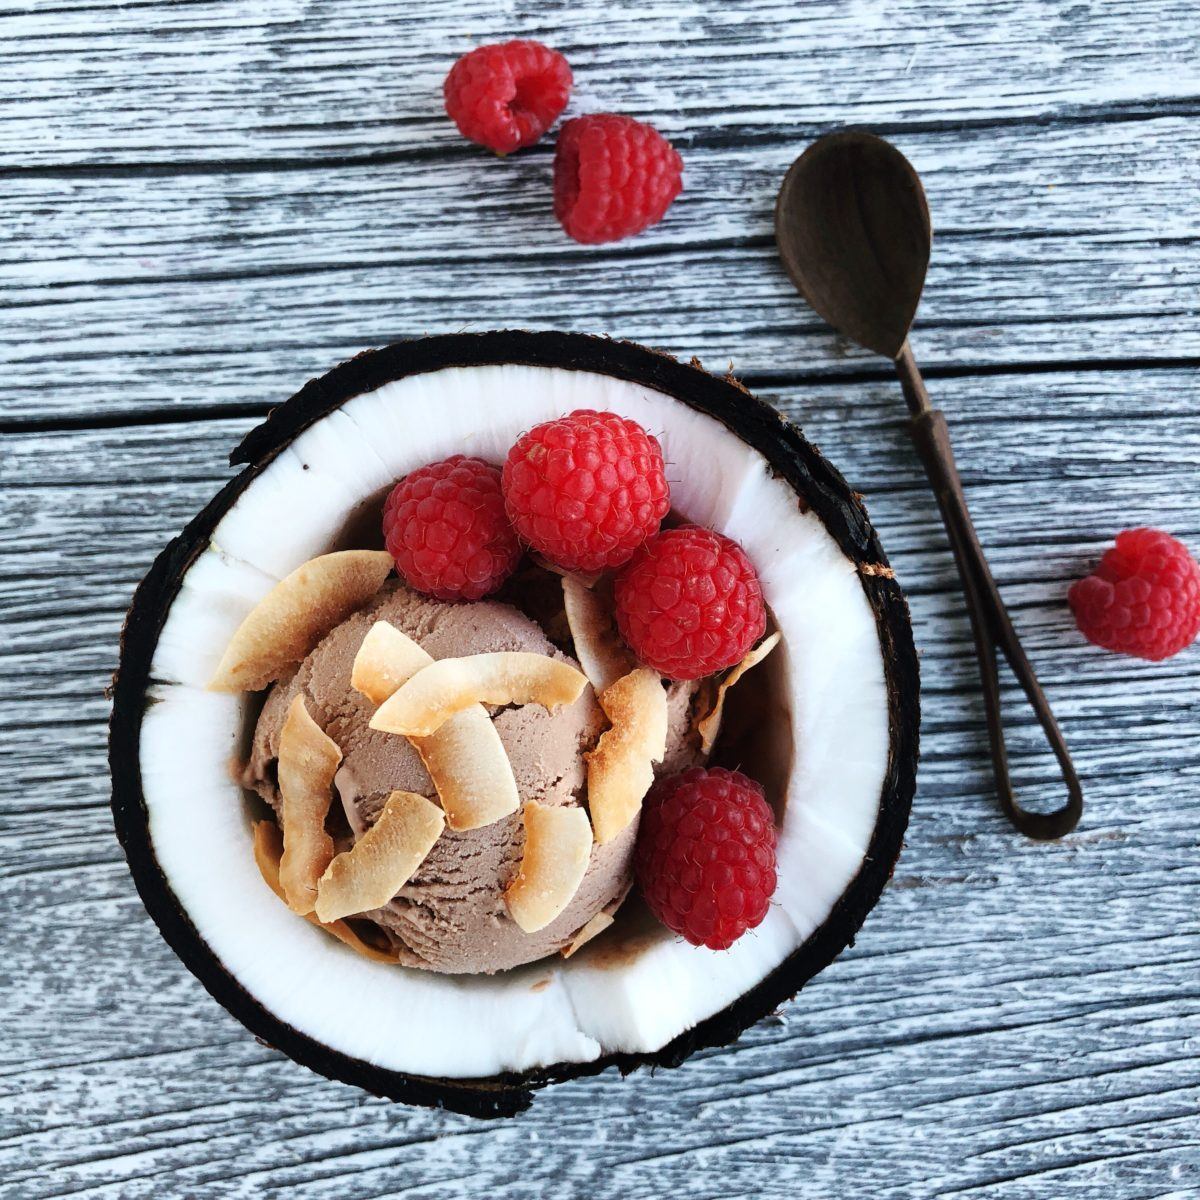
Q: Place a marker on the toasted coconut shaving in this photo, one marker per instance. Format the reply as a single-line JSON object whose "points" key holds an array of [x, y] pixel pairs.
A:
{"points": [[470, 769], [383, 860], [597, 925], [450, 685], [268, 846], [709, 726], [620, 769], [558, 845], [598, 646], [308, 761], [386, 659], [295, 614], [465, 758]]}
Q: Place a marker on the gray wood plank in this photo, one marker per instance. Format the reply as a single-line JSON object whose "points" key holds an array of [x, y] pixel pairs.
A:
{"points": [[205, 203], [284, 81], [129, 294], [1016, 1020]]}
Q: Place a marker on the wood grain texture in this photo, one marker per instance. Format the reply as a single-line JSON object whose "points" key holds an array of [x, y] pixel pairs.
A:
{"points": [[1051, 246], [1011, 1010], [287, 80], [205, 203]]}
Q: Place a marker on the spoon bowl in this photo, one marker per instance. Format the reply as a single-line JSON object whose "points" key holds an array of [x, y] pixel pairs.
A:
{"points": [[853, 230]]}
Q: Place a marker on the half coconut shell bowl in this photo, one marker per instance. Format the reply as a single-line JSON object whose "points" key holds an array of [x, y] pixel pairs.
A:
{"points": [[842, 696]]}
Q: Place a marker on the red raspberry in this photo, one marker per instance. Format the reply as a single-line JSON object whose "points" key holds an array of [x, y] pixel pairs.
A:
{"points": [[506, 96], [689, 603], [1144, 598], [613, 177], [586, 490], [444, 524], [705, 855]]}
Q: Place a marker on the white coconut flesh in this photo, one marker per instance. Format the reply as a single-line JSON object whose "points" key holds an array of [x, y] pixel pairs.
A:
{"points": [[555, 1011]]}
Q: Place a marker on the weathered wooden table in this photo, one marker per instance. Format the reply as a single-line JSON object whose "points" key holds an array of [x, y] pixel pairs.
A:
{"points": [[204, 204]]}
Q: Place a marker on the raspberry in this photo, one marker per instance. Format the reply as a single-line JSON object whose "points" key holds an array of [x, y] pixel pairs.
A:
{"points": [[705, 855], [1143, 599], [444, 524], [586, 490], [613, 177], [506, 96], [689, 603]]}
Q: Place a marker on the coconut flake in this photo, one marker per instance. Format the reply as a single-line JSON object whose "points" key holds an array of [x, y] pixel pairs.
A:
{"points": [[620, 770], [308, 761], [598, 646], [470, 769], [465, 758], [295, 614], [268, 846], [709, 726], [385, 661], [383, 860], [558, 845], [451, 685], [596, 926]]}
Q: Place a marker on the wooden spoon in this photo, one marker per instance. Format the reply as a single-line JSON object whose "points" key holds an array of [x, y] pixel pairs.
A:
{"points": [[852, 226]]}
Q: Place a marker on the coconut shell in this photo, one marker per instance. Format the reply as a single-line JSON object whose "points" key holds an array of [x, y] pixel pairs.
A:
{"points": [[819, 488]]}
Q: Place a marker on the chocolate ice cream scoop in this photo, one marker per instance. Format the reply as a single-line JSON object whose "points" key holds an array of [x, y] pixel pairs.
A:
{"points": [[451, 915]]}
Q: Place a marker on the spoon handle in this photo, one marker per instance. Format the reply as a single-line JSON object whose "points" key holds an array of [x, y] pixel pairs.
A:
{"points": [[991, 626]]}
